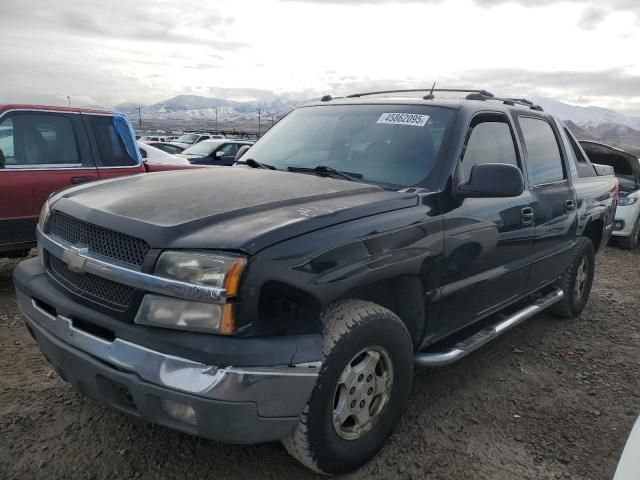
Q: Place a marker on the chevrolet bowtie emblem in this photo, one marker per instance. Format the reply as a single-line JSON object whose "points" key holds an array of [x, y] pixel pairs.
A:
{"points": [[73, 258]]}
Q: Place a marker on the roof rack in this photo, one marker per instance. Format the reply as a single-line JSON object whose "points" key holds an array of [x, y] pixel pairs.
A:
{"points": [[507, 101], [473, 94], [484, 93]]}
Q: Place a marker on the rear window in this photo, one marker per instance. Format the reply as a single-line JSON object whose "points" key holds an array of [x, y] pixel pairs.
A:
{"points": [[543, 152], [111, 150]]}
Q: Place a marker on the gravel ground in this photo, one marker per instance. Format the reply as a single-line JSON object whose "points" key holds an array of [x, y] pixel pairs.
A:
{"points": [[551, 399]]}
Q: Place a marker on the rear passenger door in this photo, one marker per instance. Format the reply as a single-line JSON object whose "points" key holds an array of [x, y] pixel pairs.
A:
{"points": [[43, 152], [487, 240], [110, 152], [554, 197]]}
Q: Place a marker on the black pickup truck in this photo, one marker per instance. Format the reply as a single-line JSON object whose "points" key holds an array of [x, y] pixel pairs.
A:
{"points": [[290, 296]]}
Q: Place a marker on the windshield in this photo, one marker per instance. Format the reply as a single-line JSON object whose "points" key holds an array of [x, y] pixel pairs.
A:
{"points": [[202, 148], [187, 138], [395, 146]]}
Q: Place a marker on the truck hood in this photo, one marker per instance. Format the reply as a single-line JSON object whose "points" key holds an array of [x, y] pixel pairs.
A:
{"points": [[232, 208], [625, 166]]}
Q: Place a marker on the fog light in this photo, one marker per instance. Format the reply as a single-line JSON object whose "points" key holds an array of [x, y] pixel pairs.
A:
{"points": [[179, 411]]}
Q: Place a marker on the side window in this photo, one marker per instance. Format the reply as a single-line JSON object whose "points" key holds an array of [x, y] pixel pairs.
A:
{"points": [[543, 153], [229, 149], [111, 149], [143, 153], [38, 139], [488, 141]]}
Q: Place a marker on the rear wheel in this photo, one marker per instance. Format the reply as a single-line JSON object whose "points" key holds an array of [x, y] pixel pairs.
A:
{"points": [[576, 281], [632, 241], [361, 392]]}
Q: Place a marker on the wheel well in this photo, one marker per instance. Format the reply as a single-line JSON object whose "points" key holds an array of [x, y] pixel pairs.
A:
{"points": [[403, 295], [593, 231]]}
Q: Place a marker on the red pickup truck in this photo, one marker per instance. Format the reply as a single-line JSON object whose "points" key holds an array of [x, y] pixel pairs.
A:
{"points": [[44, 149]]}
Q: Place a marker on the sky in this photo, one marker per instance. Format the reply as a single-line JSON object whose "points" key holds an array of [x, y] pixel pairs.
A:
{"points": [[108, 52]]}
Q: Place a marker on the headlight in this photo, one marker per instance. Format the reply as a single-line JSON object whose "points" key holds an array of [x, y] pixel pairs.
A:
{"points": [[200, 268], [44, 214], [168, 312], [203, 268], [626, 201]]}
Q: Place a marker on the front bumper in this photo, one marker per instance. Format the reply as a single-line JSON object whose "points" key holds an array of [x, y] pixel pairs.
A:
{"points": [[231, 404], [628, 216]]}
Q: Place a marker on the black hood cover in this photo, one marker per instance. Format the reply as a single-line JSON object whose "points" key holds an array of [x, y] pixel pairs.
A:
{"points": [[236, 208]]}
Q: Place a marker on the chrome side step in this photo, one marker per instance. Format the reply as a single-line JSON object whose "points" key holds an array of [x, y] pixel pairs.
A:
{"points": [[484, 336]]}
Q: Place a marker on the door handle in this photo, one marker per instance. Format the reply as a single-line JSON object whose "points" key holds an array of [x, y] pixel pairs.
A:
{"points": [[569, 206], [77, 180], [526, 215]]}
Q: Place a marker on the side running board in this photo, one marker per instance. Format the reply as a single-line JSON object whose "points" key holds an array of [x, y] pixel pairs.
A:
{"points": [[484, 336]]}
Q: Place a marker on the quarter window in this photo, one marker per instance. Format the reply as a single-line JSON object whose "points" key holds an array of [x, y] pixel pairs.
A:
{"points": [[488, 142], [543, 153], [43, 139]]}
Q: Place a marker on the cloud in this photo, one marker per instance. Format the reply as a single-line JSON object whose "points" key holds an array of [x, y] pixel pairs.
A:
{"points": [[591, 17], [594, 11]]}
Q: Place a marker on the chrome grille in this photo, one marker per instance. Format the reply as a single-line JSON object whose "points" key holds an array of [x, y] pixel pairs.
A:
{"points": [[99, 240], [95, 288]]}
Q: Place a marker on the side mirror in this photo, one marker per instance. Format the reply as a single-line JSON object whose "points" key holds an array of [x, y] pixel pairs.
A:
{"points": [[241, 151], [219, 154], [492, 180]]}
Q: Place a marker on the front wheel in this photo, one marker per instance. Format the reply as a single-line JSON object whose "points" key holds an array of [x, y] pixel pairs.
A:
{"points": [[576, 281], [361, 392]]}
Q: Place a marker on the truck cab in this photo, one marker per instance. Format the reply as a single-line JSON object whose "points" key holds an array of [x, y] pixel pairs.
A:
{"points": [[44, 149]]}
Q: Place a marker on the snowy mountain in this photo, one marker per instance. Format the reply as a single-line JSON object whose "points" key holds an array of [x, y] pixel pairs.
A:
{"points": [[191, 108], [586, 116]]}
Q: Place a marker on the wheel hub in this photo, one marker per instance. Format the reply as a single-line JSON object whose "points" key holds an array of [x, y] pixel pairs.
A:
{"points": [[363, 390], [581, 277]]}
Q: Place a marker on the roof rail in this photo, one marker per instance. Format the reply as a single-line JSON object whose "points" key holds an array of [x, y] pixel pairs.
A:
{"points": [[484, 93], [507, 101]]}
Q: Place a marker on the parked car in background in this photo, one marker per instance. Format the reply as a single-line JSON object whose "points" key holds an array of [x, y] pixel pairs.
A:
{"points": [[169, 148], [45, 149], [156, 138], [155, 155], [289, 297], [214, 152], [189, 139], [626, 227]]}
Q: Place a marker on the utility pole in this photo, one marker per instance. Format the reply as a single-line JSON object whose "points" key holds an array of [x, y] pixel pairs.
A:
{"points": [[216, 119], [140, 118], [259, 123]]}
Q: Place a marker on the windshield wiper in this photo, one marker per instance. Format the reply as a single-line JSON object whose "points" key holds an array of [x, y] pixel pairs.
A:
{"points": [[325, 170], [256, 164]]}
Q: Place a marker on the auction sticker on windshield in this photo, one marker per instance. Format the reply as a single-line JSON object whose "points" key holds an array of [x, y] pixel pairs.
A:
{"points": [[411, 119]]}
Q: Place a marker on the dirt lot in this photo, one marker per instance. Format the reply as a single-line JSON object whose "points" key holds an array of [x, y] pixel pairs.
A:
{"points": [[552, 399]]}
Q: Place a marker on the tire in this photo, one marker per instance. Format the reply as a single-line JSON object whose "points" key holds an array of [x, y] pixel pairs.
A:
{"points": [[576, 282], [631, 242], [329, 439]]}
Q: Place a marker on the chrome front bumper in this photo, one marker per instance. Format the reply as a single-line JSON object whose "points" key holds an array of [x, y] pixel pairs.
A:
{"points": [[276, 391]]}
